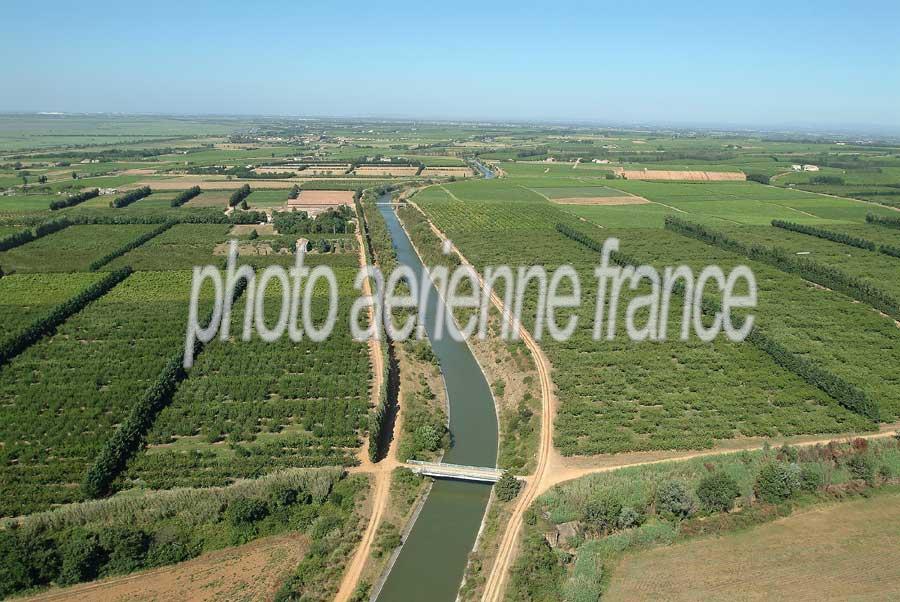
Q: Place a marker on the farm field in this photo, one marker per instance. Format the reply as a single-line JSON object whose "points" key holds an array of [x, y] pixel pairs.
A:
{"points": [[65, 395], [71, 249], [249, 408], [26, 297], [848, 551], [260, 439]]}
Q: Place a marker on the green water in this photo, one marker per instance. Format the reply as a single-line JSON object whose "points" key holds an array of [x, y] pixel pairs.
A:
{"points": [[432, 561]]}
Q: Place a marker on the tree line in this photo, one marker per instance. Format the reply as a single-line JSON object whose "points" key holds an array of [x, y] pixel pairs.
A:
{"points": [[185, 196], [74, 199], [839, 237], [130, 197], [239, 196], [99, 263], [47, 325], [17, 239]]}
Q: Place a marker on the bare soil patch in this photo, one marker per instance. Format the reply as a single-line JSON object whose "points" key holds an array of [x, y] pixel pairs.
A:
{"points": [[250, 572], [604, 200], [139, 172], [386, 170], [460, 172], [839, 552], [264, 230], [326, 197], [210, 198], [211, 183], [692, 176]]}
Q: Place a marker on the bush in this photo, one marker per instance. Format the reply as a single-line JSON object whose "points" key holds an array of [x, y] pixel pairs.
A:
{"points": [[629, 517], [717, 492], [777, 482], [82, 557], [862, 466], [602, 513], [508, 487], [245, 511], [126, 548], [758, 177], [673, 498], [811, 477]]}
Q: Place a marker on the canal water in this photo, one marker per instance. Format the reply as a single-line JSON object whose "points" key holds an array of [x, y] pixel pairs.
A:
{"points": [[431, 563]]}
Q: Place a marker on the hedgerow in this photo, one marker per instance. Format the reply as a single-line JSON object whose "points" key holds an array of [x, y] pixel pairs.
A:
{"points": [[42, 229], [74, 199], [47, 325], [833, 278], [239, 195], [185, 196], [130, 197], [839, 237], [882, 220], [99, 263]]}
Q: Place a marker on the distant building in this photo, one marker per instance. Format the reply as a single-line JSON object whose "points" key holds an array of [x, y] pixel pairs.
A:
{"points": [[810, 168], [601, 161], [549, 160], [797, 167]]}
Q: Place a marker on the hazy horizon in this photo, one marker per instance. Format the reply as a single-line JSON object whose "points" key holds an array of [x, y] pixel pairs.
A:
{"points": [[821, 66]]}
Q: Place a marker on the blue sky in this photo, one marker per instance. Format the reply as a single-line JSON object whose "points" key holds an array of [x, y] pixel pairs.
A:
{"points": [[829, 64]]}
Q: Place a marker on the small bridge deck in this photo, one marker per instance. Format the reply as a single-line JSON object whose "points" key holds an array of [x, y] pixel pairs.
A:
{"points": [[443, 470]]}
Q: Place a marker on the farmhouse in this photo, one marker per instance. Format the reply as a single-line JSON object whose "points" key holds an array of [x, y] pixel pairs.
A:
{"points": [[810, 168], [797, 167]]}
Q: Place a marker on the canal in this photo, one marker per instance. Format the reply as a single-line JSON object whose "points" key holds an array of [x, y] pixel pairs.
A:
{"points": [[431, 563]]}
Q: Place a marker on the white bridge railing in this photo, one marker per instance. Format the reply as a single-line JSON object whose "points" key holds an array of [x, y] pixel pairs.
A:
{"points": [[456, 471]]}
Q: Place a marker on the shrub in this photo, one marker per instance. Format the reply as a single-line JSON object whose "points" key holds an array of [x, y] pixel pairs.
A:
{"points": [[811, 477], [862, 466], [629, 517], [82, 557], [777, 482], [758, 177], [427, 437], [673, 498], [508, 487], [126, 548], [717, 492], [245, 511], [602, 513]]}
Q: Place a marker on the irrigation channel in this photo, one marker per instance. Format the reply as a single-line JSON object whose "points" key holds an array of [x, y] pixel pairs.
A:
{"points": [[431, 563]]}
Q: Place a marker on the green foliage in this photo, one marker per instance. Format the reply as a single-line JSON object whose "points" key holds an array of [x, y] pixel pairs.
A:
{"points": [[602, 513], [133, 244], [759, 177], [777, 482], [332, 221], [48, 324], [833, 278], [130, 197], [673, 498], [508, 487], [536, 572], [862, 466], [82, 556], [839, 237], [717, 492], [74, 199], [246, 511], [185, 196], [881, 220], [239, 195], [825, 179]]}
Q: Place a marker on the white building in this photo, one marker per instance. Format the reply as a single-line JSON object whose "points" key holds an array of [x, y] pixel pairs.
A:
{"points": [[810, 168], [797, 167]]}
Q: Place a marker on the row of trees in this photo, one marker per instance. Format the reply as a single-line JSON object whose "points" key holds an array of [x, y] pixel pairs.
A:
{"points": [[48, 324], [130, 197], [74, 199], [825, 275], [99, 263], [332, 221], [882, 220], [848, 395], [839, 237], [44, 228], [239, 196], [185, 196]]}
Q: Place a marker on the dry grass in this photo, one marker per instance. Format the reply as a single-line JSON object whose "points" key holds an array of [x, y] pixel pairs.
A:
{"points": [[459, 172], [386, 170], [250, 572], [603, 200], [324, 197], [839, 552], [691, 176]]}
